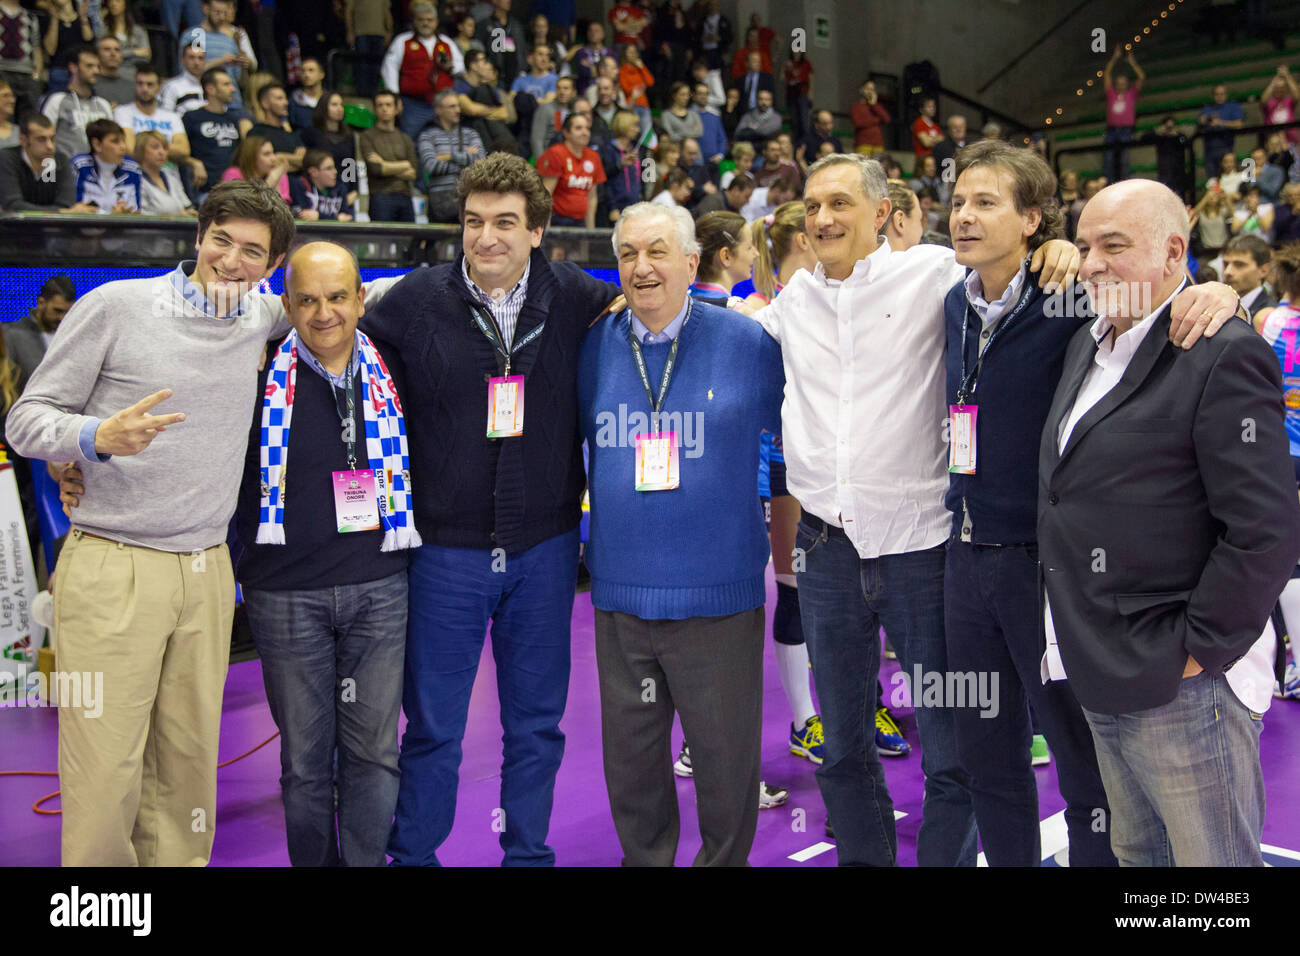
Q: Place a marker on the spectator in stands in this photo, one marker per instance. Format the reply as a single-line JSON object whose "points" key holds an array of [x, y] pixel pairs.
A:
{"points": [[329, 132], [176, 13], [504, 40], [69, 30], [1210, 218], [741, 64], [604, 93], [742, 161], [319, 27], [822, 131], [1171, 155], [634, 79], [891, 167], [8, 128], [1270, 176], [274, 102], [539, 34], [713, 138], [27, 339], [701, 173], [666, 156], [1279, 100], [906, 223], [115, 84], [483, 104], [671, 44], [1245, 268], [926, 133], [760, 123], [731, 199], [675, 188], [548, 119], [161, 191], [1219, 121], [765, 199], [106, 177], [604, 106], [752, 81], [932, 210], [116, 21], [72, 109], [391, 163], [214, 129], [369, 25], [1286, 216], [1229, 178], [585, 60], [571, 171], [953, 141], [34, 176], [731, 113], [317, 193], [184, 91], [418, 65], [226, 46], [991, 130], [533, 90], [679, 121], [869, 119], [629, 20], [622, 159], [713, 35], [1121, 115], [700, 73], [303, 100], [446, 147], [774, 165], [927, 176], [798, 75], [21, 56], [257, 159]]}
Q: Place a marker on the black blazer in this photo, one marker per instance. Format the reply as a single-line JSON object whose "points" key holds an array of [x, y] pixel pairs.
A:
{"points": [[765, 82], [1264, 300], [1169, 524]]}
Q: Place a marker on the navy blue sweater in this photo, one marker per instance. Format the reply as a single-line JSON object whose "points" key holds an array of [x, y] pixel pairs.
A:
{"points": [[472, 491], [699, 550], [1021, 370]]}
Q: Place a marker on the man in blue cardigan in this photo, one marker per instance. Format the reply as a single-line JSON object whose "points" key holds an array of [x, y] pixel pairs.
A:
{"points": [[673, 396]]}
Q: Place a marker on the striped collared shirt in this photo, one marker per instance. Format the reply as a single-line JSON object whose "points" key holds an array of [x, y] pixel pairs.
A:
{"points": [[505, 306]]}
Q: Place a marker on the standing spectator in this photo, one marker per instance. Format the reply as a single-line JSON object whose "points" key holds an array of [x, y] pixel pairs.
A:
{"points": [[539, 35], [678, 121], [329, 132], [504, 40], [34, 176], [418, 65], [740, 63], [22, 57], [713, 138], [869, 119], [161, 192], [761, 123], [753, 80], [465, 40], [1210, 217], [634, 79], [318, 193], [1268, 177], [214, 129], [69, 29], [712, 79], [303, 100], [1219, 121], [1121, 115], [225, 45], [926, 133], [604, 107], [490, 109], [571, 172], [692, 162], [713, 34], [446, 147], [798, 73], [731, 113], [1279, 100], [72, 109], [369, 25], [585, 60], [184, 91], [390, 163], [256, 159], [106, 176], [1171, 155], [115, 84], [178, 13], [274, 102], [316, 24], [672, 43], [622, 159], [954, 141], [629, 21]]}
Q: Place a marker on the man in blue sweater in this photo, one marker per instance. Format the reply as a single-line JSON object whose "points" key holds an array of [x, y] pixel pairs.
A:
{"points": [[673, 396], [1006, 346]]}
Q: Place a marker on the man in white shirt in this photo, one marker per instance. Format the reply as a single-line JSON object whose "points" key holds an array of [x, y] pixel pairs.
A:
{"points": [[71, 110], [766, 199], [144, 113], [184, 92]]}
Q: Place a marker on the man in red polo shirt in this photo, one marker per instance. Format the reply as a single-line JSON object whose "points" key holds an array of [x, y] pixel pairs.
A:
{"points": [[572, 172], [926, 133], [418, 66]]}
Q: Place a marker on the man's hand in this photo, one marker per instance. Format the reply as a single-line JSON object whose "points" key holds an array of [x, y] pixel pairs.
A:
{"points": [[1192, 668], [1200, 310], [309, 214], [200, 173], [71, 484], [81, 207], [1057, 263], [130, 431]]}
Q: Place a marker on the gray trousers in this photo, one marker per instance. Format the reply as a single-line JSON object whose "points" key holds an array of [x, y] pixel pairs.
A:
{"points": [[709, 670]]}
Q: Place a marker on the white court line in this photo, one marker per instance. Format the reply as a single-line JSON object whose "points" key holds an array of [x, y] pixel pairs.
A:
{"points": [[1052, 834], [1278, 851], [817, 849]]}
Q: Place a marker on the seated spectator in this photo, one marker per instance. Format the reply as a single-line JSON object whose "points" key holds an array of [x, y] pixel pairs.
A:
{"points": [[225, 45], [486, 107], [926, 133], [667, 157], [622, 159], [742, 163], [713, 139], [1268, 176], [329, 132], [445, 148], [539, 34], [765, 199], [679, 121], [70, 111], [603, 111], [712, 79], [571, 171], [1286, 217], [317, 193], [465, 39], [391, 163], [927, 175], [116, 83], [214, 128], [891, 167], [1254, 218], [731, 113], [742, 63], [607, 69], [34, 176], [256, 158], [761, 123], [822, 131], [69, 29], [932, 210], [548, 119], [1210, 218], [8, 128], [303, 100], [539, 81], [22, 58], [955, 140], [274, 102], [774, 164], [869, 119], [1279, 101], [184, 91], [161, 192], [1229, 178], [698, 170], [584, 61], [1219, 122], [676, 189], [116, 21], [106, 177], [1246, 261], [731, 199]]}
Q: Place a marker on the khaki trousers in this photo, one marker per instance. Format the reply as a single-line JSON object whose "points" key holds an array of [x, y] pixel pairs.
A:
{"points": [[139, 778]]}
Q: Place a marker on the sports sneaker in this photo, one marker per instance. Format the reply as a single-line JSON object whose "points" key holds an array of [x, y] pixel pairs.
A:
{"points": [[889, 737], [769, 796], [810, 741], [1038, 752], [682, 766], [1290, 688]]}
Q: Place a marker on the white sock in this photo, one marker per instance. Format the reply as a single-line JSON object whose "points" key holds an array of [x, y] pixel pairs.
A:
{"points": [[796, 679]]}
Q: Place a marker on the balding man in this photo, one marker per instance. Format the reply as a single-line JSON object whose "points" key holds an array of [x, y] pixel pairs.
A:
{"points": [[1167, 526], [324, 561]]}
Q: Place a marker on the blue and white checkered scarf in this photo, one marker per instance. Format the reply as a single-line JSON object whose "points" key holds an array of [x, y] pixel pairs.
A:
{"points": [[385, 445]]}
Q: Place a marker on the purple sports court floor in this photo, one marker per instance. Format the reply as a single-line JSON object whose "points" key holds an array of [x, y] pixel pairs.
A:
{"points": [[250, 822]]}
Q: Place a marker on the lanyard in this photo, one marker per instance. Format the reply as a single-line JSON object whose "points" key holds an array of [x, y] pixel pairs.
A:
{"points": [[656, 404], [347, 419], [969, 382], [488, 326]]}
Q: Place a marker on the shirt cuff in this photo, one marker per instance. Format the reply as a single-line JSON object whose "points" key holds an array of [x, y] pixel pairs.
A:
{"points": [[86, 441]]}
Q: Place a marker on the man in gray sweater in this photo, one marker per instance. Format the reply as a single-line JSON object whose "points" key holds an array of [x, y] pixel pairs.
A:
{"points": [[145, 591]]}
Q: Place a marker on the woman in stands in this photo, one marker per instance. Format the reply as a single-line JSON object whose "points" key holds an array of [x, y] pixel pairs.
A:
{"points": [[1279, 101], [161, 192], [8, 128], [118, 22], [329, 133], [622, 159], [255, 159]]}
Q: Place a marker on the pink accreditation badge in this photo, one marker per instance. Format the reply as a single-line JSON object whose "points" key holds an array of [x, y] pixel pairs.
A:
{"points": [[961, 439], [505, 406], [355, 505], [656, 461]]}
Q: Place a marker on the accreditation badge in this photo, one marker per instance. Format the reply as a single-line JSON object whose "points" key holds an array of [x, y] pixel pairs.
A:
{"points": [[961, 443], [355, 505], [505, 406], [656, 461]]}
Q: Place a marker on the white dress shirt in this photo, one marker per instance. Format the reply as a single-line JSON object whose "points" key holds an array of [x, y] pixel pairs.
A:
{"points": [[863, 417], [1251, 677]]}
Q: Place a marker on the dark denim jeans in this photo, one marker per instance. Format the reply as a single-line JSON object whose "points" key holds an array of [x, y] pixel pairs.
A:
{"points": [[1114, 161], [332, 664], [993, 616], [391, 207], [527, 597], [844, 600]]}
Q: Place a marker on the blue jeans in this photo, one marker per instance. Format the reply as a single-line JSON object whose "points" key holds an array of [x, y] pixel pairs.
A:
{"points": [[332, 664], [391, 207], [527, 596], [1114, 161], [844, 600], [1184, 780], [994, 625], [174, 11], [415, 116]]}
